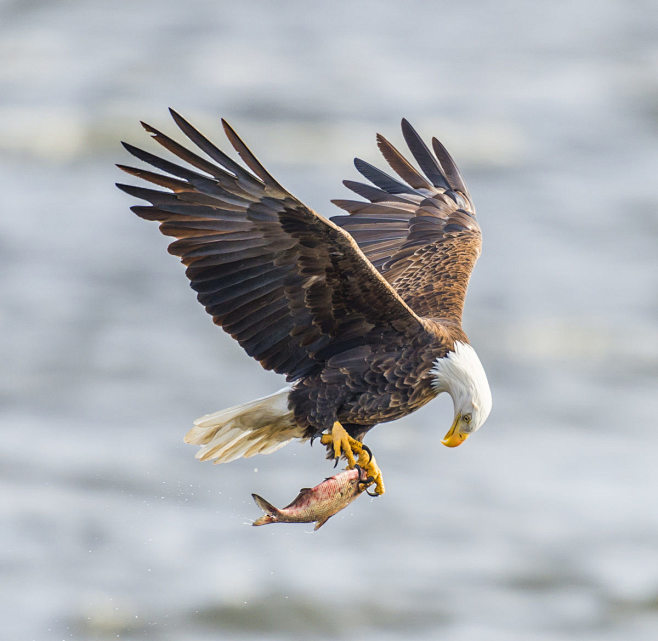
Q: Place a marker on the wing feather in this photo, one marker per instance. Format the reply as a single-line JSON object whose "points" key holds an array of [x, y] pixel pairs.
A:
{"points": [[379, 178], [250, 160], [449, 167], [373, 194], [268, 270], [423, 156], [422, 236], [243, 178], [401, 165]]}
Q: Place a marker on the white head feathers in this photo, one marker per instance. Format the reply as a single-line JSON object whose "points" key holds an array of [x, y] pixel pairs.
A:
{"points": [[460, 373]]}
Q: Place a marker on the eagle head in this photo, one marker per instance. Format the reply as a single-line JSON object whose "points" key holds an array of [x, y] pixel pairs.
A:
{"points": [[460, 373]]}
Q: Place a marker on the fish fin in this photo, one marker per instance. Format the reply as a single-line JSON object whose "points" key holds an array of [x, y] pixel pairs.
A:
{"points": [[319, 524], [271, 512], [299, 497]]}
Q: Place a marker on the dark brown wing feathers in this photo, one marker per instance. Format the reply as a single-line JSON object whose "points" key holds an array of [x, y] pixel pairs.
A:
{"points": [[401, 166], [449, 167], [423, 156], [290, 286], [251, 161], [421, 235]]}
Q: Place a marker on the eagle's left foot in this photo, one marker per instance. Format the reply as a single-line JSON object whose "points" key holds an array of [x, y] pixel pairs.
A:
{"points": [[345, 445], [369, 464]]}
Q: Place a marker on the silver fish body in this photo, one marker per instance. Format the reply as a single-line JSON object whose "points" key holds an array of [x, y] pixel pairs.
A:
{"points": [[316, 504]]}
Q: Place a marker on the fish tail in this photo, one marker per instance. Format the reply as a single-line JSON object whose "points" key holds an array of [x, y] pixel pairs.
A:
{"points": [[271, 512], [258, 427]]}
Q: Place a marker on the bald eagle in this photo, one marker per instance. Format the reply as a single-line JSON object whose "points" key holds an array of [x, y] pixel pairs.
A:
{"points": [[362, 313]]}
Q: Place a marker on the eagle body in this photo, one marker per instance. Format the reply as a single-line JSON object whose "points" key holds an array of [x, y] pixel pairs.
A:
{"points": [[360, 312], [380, 381]]}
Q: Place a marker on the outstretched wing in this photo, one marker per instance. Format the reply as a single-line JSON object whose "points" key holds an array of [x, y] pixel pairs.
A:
{"points": [[421, 234], [290, 286]]}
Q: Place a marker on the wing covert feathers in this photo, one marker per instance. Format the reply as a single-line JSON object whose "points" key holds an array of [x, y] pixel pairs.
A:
{"points": [[291, 287], [421, 234]]}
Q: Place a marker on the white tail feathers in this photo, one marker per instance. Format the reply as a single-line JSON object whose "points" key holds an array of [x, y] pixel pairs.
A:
{"points": [[257, 427]]}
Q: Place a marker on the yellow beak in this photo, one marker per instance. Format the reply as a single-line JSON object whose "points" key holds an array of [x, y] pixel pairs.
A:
{"points": [[453, 438]]}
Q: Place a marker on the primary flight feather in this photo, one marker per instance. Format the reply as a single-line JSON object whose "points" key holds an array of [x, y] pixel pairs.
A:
{"points": [[362, 313]]}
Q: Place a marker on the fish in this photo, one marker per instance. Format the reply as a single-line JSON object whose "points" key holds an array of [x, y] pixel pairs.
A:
{"points": [[319, 503]]}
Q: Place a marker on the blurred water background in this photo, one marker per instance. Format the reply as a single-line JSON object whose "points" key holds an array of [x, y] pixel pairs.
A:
{"points": [[543, 527]]}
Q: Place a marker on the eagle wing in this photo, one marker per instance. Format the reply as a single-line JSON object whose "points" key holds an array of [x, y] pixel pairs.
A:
{"points": [[421, 234], [290, 286]]}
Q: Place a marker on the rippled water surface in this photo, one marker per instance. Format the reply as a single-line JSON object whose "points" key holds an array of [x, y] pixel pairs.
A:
{"points": [[543, 527]]}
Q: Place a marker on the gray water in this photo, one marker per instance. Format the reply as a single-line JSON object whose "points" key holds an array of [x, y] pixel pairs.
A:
{"points": [[544, 526]]}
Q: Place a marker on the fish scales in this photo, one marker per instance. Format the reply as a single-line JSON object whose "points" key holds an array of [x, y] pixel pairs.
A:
{"points": [[316, 504]]}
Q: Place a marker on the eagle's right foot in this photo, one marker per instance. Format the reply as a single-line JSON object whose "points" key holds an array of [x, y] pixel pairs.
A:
{"points": [[345, 445]]}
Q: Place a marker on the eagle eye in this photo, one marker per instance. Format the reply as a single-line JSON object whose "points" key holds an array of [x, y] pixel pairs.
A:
{"points": [[466, 418]]}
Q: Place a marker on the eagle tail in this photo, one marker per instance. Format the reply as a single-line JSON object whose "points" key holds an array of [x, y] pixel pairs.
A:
{"points": [[257, 427], [271, 512]]}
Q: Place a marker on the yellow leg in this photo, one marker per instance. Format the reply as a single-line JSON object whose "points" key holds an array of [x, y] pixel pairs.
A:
{"points": [[345, 445]]}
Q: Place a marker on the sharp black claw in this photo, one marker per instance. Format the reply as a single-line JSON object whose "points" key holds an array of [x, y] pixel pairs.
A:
{"points": [[367, 449], [367, 483], [371, 493], [336, 462]]}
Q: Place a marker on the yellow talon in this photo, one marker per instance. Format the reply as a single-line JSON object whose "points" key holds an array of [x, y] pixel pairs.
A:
{"points": [[345, 445], [369, 464]]}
